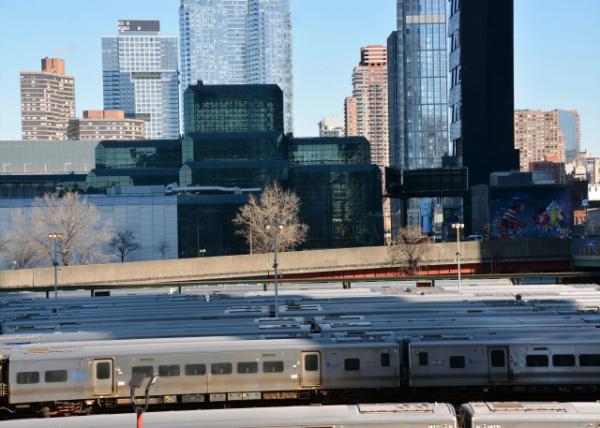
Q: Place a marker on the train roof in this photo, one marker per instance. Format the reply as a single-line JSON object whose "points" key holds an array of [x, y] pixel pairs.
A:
{"points": [[532, 411], [298, 416]]}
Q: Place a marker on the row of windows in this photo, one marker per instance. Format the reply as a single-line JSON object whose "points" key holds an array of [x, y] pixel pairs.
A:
{"points": [[497, 359], [215, 369], [50, 376]]}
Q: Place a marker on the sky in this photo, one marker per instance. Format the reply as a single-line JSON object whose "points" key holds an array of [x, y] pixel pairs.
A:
{"points": [[557, 52]]}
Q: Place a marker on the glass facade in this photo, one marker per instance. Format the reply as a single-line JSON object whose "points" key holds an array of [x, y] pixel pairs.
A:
{"points": [[231, 173], [99, 180], [234, 146], [341, 204], [418, 96], [330, 151], [233, 108], [138, 154], [140, 77], [236, 42], [31, 186], [269, 49], [205, 222]]}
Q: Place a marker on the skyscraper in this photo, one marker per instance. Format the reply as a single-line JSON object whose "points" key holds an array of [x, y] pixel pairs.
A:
{"points": [[47, 101], [106, 125], [140, 76], [369, 82], [546, 136], [418, 100], [238, 42], [269, 49], [482, 86]]}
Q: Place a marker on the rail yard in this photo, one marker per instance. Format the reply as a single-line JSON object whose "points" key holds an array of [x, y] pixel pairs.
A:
{"points": [[490, 349]]}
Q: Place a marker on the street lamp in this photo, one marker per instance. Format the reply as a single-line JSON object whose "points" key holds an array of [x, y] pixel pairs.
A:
{"points": [[202, 252], [55, 236], [25, 166], [135, 382], [275, 229], [458, 227], [4, 165]]}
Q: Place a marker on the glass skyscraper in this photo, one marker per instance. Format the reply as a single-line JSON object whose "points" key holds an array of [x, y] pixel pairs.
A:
{"points": [[140, 76], [238, 42], [418, 91], [418, 97]]}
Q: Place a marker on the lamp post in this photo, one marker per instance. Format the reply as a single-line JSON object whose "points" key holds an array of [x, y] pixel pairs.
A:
{"points": [[4, 165], [275, 229], [55, 236], [458, 227], [202, 252]]}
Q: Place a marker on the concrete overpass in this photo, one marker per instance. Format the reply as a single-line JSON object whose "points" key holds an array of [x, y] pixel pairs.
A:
{"points": [[368, 262]]}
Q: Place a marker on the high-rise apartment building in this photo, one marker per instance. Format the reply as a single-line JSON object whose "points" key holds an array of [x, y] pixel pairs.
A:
{"points": [[332, 126], [238, 42], [140, 76], [106, 125], [418, 100], [350, 117], [369, 82], [47, 101], [546, 135], [481, 95]]}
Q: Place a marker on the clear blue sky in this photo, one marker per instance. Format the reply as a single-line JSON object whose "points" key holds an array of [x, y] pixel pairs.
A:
{"points": [[557, 57]]}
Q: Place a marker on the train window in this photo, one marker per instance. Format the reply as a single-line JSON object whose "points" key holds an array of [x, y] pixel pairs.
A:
{"points": [[385, 359], [457, 362], [311, 363], [169, 371], [247, 368], [28, 377], [148, 371], [589, 360], [351, 364], [55, 376], [498, 359], [272, 366], [195, 369], [103, 371], [563, 360], [423, 358], [537, 360], [220, 368]]}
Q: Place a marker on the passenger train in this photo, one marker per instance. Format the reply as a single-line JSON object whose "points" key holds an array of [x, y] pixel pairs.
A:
{"points": [[80, 377]]}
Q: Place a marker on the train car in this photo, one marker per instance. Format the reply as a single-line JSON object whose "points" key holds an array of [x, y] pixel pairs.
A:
{"points": [[415, 415], [530, 415], [76, 378], [521, 361]]}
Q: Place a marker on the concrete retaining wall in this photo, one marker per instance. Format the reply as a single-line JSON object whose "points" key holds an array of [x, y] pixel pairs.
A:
{"points": [[231, 267]]}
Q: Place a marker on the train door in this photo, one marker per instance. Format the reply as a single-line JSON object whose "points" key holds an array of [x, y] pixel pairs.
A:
{"points": [[103, 377], [498, 364], [311, 368]]}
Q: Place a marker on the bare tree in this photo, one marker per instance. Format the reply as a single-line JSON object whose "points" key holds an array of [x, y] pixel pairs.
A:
{"points": [[18, 251], [72, 218], [164, 248], [277, 207], [123, 244], [408, 249]]}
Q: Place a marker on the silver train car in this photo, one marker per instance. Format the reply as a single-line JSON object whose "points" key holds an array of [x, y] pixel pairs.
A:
{"points": [[530, 415], [76, 378], [414, 415]]}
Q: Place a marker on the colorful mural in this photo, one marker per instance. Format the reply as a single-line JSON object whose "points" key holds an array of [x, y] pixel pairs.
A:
{"points": [[539, 214]]}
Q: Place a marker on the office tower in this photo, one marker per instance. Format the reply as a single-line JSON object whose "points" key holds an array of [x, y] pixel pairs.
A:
{"points": [[417, 57], [481, 96], [369, 82], [237, 42], [47, 101], [106, 125], [269, 49], [332, 126], [140, 76]]}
